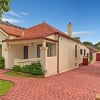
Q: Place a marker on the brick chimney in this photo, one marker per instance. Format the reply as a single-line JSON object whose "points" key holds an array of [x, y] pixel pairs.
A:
{"points": [[70, 29]]}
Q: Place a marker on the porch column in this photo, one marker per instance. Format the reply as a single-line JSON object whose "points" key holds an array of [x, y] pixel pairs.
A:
{"points": [[43, 55], [5, 54]]}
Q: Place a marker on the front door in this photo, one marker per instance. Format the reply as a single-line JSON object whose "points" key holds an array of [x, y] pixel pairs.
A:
{"points": [[25, 52]]}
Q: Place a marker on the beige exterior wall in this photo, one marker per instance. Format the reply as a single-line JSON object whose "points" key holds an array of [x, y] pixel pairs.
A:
{"points": [[94, 57], [67, 59], [12, 37], [51, 66], [54, 37], [3, 36]]}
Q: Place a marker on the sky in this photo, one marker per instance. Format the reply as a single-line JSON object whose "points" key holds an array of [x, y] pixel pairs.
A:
{"points": [[83, 14]]}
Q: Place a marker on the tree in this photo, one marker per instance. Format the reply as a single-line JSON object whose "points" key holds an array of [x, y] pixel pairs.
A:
{"points": [[97, 45], [88, 43], [4, 7]]}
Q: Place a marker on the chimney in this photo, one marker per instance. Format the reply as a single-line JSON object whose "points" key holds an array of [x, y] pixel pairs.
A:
{"points": [[70, 29]]}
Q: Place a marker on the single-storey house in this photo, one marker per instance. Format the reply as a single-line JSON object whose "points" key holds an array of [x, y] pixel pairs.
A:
{"points": [[56, 51], [96, 56], [92, 50]]}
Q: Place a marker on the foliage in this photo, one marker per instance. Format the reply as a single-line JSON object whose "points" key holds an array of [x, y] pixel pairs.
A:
{"points": [[33, 69], [88, 43], [36, 69], [5, 86], [17, 68], [2, 61], [97, 45], [4, 7]]}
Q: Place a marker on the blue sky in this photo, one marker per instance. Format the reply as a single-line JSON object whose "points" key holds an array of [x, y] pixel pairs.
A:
{"points": [[83, 14]]}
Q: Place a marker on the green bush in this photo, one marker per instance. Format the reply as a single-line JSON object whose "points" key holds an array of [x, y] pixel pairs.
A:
{"points": [[36, 69], [25, 69], [2, 62], [33, 69], [17, 68]]}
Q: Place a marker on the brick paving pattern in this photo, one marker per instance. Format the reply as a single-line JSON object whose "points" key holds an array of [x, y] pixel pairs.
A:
{"points": [[79, 84]]}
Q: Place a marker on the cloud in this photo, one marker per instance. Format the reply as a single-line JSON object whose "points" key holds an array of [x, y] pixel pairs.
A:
{"points": [[13, 17], [14, 14], [24, 13], [82, 33], [11, 20]]}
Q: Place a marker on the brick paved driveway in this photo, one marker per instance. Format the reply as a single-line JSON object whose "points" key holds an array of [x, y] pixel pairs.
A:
{"points": [[78, 84]]}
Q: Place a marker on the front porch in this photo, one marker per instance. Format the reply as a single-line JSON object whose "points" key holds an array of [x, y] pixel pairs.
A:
{"points": [[28, 51]]}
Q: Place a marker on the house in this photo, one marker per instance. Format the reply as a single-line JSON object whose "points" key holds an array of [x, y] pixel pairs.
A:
{"points": [[96, 56], [92, 49], [56, 51]]}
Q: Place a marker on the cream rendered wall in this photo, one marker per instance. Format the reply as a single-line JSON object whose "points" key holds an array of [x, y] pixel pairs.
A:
{"points": [[3, 36], [10, 53], [54, 37], [12, 37], [51, 66], [33, 50], [94, 57], [67, 60]]}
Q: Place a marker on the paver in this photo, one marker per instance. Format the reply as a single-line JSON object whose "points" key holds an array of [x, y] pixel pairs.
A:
{"points": [[79, 84]]}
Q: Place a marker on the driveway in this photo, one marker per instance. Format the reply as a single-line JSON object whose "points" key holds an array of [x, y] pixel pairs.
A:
{"points": [[79, 84]]}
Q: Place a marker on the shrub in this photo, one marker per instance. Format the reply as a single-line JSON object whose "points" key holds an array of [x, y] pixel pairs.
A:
{"points": [[33, 69], [25, 69], [2, 62], [17, 68], [36, 69]]}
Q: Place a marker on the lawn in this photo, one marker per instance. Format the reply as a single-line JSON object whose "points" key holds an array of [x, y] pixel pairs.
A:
{"points": [[19, 74], [13, 73], [5, 87]]}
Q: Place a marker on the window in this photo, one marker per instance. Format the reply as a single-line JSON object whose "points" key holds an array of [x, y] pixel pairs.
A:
{"points": [[75, 50], [25, 52], [38, 50], [51, 49], [84, 52], [80, 51]]}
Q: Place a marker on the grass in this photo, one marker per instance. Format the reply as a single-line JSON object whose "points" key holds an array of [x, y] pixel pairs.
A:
{"points": [[5, 87], [19, 74]]}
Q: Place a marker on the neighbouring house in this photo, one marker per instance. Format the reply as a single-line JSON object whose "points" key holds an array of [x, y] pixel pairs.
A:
{"points": [[92, 50], [96, 56], [56, 51]]}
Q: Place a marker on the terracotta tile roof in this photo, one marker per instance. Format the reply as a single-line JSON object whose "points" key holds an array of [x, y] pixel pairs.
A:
{"points": [[42, 30], [11, 30], [38, 31]]}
